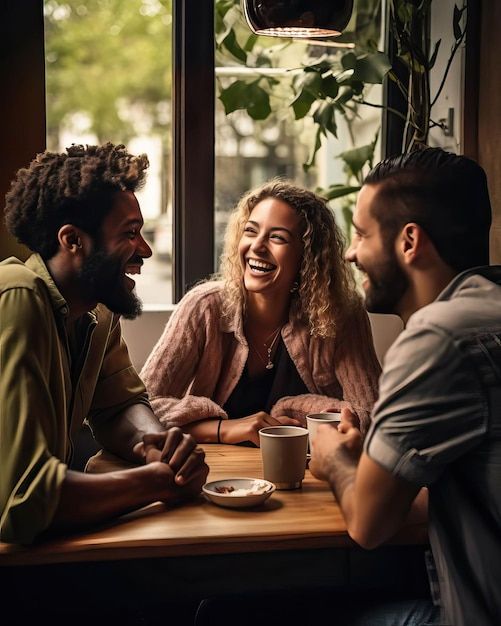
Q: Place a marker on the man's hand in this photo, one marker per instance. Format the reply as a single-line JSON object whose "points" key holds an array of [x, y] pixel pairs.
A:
{"points": [[180, 452], [336, 452], [247, 428]]}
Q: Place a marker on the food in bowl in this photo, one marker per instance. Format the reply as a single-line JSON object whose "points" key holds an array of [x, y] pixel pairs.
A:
{"points": [[238, 492], [256, 488]]}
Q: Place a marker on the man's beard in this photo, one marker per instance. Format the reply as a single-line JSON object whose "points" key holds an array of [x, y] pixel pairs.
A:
{"points": [[386, 288], [102, 280]]}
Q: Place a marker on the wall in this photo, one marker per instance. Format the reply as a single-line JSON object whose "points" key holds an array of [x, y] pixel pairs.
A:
{"points": [[451, 96]]}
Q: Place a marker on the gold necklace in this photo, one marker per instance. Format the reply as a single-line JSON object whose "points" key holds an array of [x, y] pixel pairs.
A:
{"points": [[269, 348]]}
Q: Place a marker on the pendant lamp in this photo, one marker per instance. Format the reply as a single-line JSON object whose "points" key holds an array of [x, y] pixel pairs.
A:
{"points": [[297, 18]]}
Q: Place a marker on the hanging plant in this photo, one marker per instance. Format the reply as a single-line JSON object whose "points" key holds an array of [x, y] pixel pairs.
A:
{"points": [[334, 85], [409, 23], [321, 88]]}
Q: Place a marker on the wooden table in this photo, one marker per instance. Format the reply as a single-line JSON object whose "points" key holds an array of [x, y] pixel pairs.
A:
{"points": [[300, 519], [295, 540]]}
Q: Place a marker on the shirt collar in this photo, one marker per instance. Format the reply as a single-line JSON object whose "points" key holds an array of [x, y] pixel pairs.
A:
{"points": [[490, 272], [37, 265]]}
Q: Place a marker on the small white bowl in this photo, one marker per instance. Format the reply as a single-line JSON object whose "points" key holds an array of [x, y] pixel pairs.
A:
{"points": [[237, 501]]}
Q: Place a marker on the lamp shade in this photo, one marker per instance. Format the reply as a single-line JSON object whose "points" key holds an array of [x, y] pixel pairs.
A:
{"points": [[297, 18]]}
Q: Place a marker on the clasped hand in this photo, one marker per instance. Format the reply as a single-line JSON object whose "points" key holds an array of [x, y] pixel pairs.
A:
{"points": [[180, 460]]}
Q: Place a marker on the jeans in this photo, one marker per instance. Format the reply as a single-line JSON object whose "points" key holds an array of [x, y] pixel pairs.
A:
{"points": [[312, 610], [418, 612]]}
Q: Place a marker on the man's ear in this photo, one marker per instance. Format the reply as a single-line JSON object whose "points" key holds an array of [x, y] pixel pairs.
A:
{"points": [[70, 238], [413, 239]]}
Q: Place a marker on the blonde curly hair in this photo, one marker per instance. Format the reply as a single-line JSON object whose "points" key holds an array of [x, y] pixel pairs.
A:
{"points": [[326, 293]]}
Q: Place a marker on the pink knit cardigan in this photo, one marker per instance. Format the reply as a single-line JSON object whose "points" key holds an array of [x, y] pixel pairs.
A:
{"points": [[201, 355]]}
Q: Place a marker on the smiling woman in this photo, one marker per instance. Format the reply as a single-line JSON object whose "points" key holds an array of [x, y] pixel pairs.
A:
{"points": [[280, 333]]}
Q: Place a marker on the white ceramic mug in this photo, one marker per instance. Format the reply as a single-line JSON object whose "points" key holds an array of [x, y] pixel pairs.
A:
{"points": [[283, 452], [314, 419]]}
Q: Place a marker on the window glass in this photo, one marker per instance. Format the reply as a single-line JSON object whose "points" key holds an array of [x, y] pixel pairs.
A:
{"points": [[108, 73], [262, 131]]}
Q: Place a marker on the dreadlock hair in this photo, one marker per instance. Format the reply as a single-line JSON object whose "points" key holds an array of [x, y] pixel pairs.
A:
{"points": [[445, 193], [73, 187]]}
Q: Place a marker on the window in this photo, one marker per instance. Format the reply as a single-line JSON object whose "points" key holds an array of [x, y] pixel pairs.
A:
{"points": [[108, 78], [141, 72], [254, 144]]}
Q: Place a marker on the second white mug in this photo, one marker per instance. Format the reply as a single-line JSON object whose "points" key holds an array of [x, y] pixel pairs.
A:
{"points": [[314, 419]]}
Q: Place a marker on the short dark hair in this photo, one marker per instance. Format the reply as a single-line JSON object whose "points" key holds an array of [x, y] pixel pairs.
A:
{"points": [[73, 187], [445, 193]]}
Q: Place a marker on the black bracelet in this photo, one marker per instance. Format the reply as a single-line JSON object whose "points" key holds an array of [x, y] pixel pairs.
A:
{"points": [[218, 431]]}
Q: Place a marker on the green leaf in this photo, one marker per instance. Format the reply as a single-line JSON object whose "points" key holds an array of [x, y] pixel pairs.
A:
{"points": [[339, 191], [258, 102], [232, 15], [349, 61], [433, 57], [348, 220], [234, 96], [357, 86], [325, 117], [310, 89], [302, 104], [251, 42], [220, 28], [405, 12], [223, 6], [316, 148], [372, 68], [356, 158], [346, 95], [312, 83], [456, 23], [321, 66], [330, 86], [233, 47], [226, 18], [251, 97]]}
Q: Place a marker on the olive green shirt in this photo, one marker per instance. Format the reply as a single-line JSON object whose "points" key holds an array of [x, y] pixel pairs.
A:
{"points": [[47, 390]]}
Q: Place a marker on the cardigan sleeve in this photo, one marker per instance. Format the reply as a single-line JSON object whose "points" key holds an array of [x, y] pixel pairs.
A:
{"points": [[357, 366], [173, 363], [300, 406], [357, 370]]}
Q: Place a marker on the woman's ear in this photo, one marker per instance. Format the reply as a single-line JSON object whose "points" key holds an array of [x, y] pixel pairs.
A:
{"points": [[70, 238]]}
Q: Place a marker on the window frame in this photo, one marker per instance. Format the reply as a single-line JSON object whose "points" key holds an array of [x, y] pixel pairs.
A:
{"points": [[193, 128]]}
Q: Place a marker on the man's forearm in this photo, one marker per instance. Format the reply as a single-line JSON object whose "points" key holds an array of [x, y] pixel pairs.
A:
{"points": [[124, 430], [375, 503], [341, 478], [92, 498]]}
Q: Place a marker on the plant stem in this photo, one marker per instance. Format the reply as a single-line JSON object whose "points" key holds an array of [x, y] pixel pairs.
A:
{"points": [[380, 106], [448, 67]]}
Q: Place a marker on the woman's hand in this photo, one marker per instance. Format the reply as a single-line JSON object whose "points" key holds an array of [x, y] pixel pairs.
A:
{"points": [[247, 428]]}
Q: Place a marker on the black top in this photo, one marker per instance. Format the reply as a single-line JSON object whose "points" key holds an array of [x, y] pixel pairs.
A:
{"points": [[260, 393]]}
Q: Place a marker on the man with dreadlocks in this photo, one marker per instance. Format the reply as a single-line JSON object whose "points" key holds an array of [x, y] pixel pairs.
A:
{"points": [[62, 356]]}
